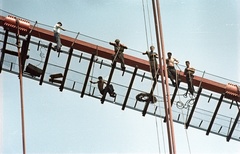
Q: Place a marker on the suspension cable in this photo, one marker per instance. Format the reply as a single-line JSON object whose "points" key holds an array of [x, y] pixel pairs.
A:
{"points": [[145, 23], [152, 69], [163, 138], [149, 23], [159, 150], [161, 122]]}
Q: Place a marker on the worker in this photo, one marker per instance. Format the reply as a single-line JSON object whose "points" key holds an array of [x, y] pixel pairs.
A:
{"points": [[102, 89], [189, 71], [118, 49], [152, 61], [170, 61], [56, 30]]}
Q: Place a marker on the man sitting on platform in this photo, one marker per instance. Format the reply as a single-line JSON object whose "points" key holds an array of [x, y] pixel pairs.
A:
{"points": [[101, 88]]}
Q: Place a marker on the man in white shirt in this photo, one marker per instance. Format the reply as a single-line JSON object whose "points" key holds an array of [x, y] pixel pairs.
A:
{"points": [[57, 29]]}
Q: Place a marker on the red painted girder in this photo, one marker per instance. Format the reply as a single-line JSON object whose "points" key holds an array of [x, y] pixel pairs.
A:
{"points": [[129, 60]]}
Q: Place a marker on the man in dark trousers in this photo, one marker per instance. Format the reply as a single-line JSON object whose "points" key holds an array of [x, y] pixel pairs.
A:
{"points": [[102, 89], [189, 71], [152, 56], [171, 69], [119, 49]]}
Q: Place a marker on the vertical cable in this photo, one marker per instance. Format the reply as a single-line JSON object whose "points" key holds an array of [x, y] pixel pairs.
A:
{"points": [[145, 23], [184, 124], [157, 135], [149, 24]]}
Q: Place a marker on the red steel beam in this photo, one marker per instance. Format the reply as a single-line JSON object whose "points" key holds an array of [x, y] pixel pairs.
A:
{"points": [[129, 60]]}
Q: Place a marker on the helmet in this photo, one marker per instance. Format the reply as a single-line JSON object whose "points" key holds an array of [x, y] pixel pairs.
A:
{"points": [[117, 40], [59, 23], [152, 47]]}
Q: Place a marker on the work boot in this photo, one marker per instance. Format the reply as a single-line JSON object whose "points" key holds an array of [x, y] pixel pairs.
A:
{"points": [[113, 94], [123, 68], [54, 48]]}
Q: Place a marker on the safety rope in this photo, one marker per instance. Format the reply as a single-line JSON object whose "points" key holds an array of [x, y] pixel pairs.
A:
{"points": [[41, 55], [184, 121], [184, 124]]}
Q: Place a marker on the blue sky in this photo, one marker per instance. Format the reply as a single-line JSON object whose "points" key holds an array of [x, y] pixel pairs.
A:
{"points": [[206, 32]]}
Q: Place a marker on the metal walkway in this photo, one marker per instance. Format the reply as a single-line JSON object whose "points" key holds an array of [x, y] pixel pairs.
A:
{"points": [[214, 108]]}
